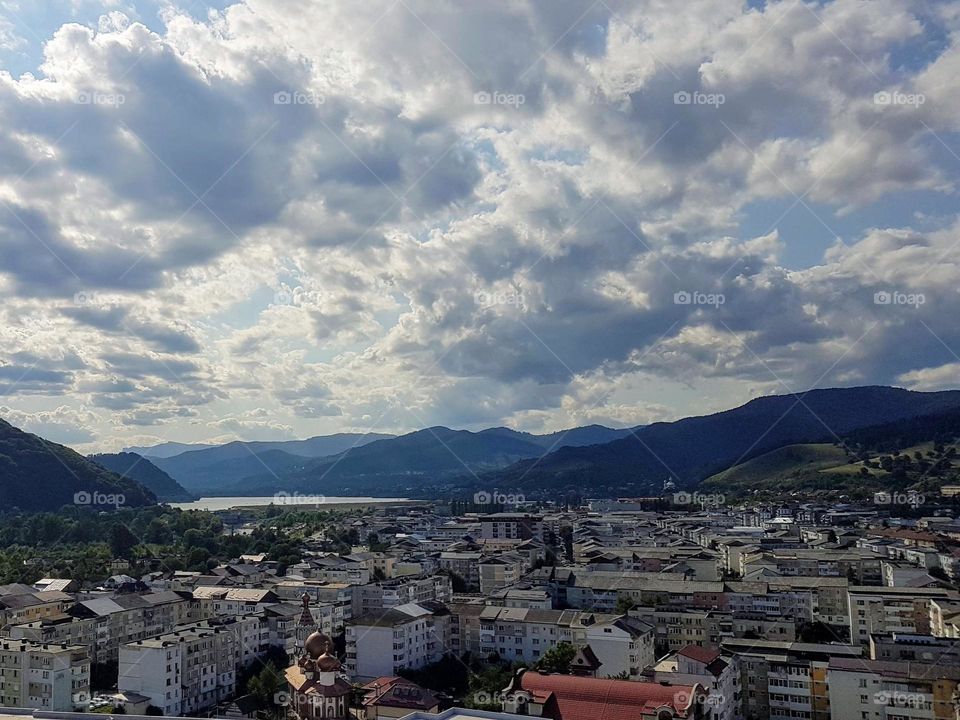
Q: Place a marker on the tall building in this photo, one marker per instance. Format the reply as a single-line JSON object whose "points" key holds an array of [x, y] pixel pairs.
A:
{"points": [[887, 690], [42, 676], [194, 667], [407, 636]]}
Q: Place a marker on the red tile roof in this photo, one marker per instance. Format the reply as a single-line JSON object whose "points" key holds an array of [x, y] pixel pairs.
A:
{"points": [[701, 654], [587, 698]]}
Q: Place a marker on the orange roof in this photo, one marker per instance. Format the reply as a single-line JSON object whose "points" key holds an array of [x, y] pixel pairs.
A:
{"points": [[587, 698]]}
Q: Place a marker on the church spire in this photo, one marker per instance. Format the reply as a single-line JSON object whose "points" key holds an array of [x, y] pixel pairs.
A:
{"points": [[306, 617]]}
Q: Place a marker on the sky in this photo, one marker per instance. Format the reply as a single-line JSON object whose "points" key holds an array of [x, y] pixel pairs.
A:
{"points": [[274, 219]]}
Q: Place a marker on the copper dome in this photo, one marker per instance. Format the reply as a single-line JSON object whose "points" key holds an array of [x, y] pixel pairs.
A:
{"points": [[328, 662], [316, 644]]}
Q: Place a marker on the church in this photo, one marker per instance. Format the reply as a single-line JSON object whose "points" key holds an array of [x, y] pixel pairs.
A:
{"points": [[318, 687]]}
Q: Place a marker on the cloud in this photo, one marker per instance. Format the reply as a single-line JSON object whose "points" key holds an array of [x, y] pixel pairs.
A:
{"points": [[213, 216]]}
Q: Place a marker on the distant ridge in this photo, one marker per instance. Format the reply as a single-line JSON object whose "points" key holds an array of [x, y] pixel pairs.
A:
{"points": [[140, 469], [213, 468], [167, 449]]}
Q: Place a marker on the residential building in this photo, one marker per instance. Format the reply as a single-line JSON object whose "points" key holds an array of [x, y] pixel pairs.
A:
{"points": [[194, 667], [407, 636], [890, 690], [44, 676]]}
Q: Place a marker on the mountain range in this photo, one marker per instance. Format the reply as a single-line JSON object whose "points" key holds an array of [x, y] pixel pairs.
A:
{"points": [[690, 450], [212, 469], [442, 462], [640, 460]]}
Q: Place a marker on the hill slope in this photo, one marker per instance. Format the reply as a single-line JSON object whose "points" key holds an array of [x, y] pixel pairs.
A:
{"points": [[688, 451], [138, 468], [36, 474], [784, 467]]}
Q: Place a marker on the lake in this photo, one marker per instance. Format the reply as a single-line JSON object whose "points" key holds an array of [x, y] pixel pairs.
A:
{"points": [[281, 499]]}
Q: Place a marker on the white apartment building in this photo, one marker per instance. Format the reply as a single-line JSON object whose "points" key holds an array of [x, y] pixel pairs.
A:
{"points": [[194, 667], [511, 526], [44, 676], [707, 666], [622, 644], [407, 636], [886, 609], [213, 602], [885, 690], [499, 571], [400, 591], [127, 618], [322, 593]]}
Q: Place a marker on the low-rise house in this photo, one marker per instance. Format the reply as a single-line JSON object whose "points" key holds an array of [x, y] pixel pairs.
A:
{"points": [[395, 697]]}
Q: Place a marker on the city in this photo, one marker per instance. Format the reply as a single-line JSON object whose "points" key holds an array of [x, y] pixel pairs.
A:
{"points": [[480, 359], [796, 610]]}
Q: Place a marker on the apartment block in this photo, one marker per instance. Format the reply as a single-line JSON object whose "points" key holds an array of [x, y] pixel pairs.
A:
{"points": [[886, 609], [511, 526], [621, 644], [44, 676], [400, 591], [786, 680], [499, 571], [407, 636], [193, 668], [890, 690]]}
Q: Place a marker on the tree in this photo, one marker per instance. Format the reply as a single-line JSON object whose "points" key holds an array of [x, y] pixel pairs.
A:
{"points": [[557, 659], [122, 541], [624, 605], [264, 686]]}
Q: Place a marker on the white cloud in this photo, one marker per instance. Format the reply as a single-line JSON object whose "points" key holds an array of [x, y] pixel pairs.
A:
{"points": [[313, 213]]}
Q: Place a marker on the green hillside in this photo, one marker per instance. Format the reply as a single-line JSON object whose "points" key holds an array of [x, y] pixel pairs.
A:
{"points": [[830, 468], [789, 467], [36, 474]]}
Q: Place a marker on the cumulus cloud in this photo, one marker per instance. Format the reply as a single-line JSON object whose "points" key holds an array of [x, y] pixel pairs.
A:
{"points": [[280, 219]]}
